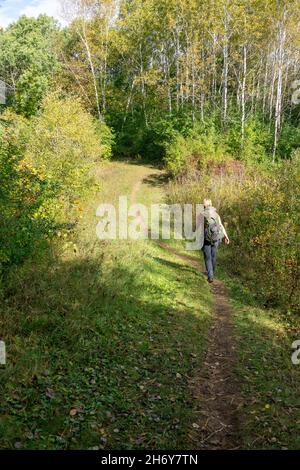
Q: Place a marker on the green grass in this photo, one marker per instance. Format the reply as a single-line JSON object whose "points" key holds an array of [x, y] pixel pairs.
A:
{"points": [[269, 381], [111, 330], [115, 331]]}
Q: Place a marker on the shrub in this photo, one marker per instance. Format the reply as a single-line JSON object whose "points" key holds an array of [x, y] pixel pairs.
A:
{"points": [[201, 146], [23, 190], [64, 142], [257, 144], [29, 60], [289, 140], [45, 166], [275, 236], [262, 213], [177, 151]]}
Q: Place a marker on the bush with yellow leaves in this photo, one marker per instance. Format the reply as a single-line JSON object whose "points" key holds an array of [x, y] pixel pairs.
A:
{"points": [[45, 166]]}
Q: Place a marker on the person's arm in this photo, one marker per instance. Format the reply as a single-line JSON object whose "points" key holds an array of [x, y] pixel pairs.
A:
{"points": [[227, 241]]}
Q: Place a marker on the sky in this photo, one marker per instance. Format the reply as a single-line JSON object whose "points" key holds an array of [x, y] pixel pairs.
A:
{"points": [[11, 10]]}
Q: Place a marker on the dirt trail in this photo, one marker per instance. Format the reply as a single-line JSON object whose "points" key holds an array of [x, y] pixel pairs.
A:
{"points": [[215, 387], [135, 191]]}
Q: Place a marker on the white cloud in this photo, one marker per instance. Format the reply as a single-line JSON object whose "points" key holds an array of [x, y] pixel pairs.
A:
{"points": [[5, 19], [39, 7], [11, 10]]}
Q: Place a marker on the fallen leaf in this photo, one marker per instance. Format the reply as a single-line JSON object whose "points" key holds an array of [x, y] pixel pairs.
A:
{"points": [[50, 393]]}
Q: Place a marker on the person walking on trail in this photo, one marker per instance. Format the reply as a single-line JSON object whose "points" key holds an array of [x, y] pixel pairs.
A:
{"points": [[214, 233]]}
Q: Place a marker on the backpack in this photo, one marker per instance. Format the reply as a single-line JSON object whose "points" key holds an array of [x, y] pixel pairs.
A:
{"points": [[212, 229]]}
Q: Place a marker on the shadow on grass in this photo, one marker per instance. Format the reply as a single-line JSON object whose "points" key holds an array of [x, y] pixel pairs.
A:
{"points": [[268, 377], [112, 345], [178, 266], [157, 181], [138, 161]]}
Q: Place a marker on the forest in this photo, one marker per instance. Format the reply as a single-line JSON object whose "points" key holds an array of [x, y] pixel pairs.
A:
{"points": [[186, 99]]}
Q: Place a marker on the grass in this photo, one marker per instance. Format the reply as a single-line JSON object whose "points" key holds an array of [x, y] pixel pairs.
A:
{"points": [[270, 416], [102, 339], [269, 380]]}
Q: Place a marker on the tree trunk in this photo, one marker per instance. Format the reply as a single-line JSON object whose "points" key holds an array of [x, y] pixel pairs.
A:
{"points": [[243, 92], [225, 68], [85, 42], [278, 107]]}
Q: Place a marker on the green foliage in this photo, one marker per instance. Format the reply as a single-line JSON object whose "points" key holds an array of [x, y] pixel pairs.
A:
{"points": [[23, 191], [149, 141], [263, 217], [129, 139], [274, 235], [203, 145], [289, 140], [87, 331], [177, 152], [107, 139], [256, 145], [161, 76], [262, 213], [45, 167], [269, 394], [28, 61], [64, 142]]}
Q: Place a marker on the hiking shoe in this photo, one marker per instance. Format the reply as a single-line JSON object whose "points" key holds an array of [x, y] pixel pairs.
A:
{"points": [[210, 281]]}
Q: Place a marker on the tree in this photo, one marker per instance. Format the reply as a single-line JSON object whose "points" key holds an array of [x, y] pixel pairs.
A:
{"points": [[28, 61]]}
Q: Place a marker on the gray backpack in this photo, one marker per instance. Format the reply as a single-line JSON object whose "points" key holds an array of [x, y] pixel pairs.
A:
{"points": [[213, 232]]}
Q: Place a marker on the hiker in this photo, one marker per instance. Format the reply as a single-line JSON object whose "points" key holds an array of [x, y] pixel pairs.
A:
{"points": [[214, 233]]}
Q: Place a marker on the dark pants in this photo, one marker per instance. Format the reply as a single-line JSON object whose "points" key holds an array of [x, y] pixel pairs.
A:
{"points": [[210, 257]]}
